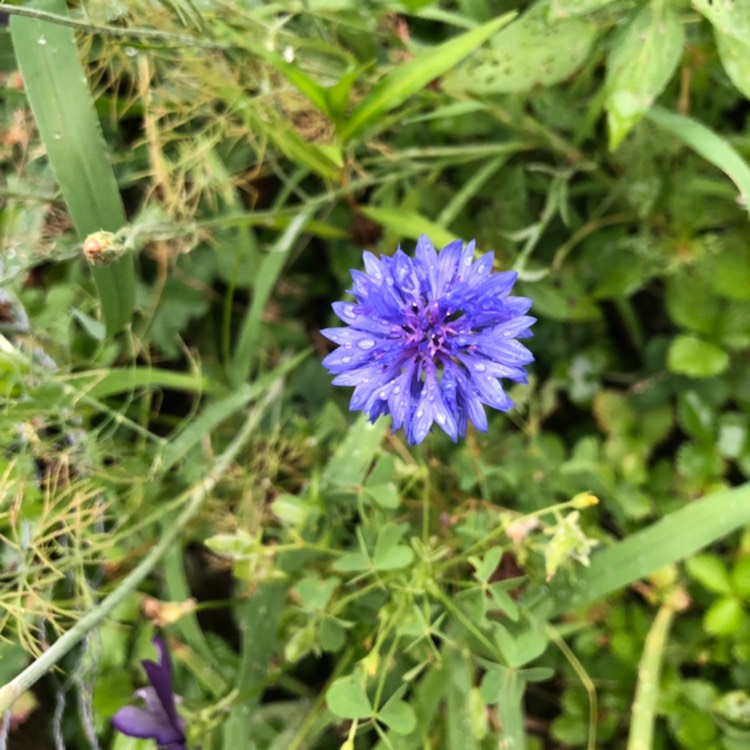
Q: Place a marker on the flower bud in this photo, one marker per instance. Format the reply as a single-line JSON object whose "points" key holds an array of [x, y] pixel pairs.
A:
{"points": [[102, 248]]}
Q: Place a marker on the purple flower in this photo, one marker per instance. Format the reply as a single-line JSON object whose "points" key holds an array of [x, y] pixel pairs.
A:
{"points": [[429, 337], [158, 720]]}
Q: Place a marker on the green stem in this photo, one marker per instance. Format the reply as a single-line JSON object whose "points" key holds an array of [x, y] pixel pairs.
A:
{"points": [[178, 40], [649, 670], [11, 691]]}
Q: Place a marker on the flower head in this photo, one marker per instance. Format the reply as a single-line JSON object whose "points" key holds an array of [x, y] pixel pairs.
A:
{"points": [[429, 337], [158, 719]]}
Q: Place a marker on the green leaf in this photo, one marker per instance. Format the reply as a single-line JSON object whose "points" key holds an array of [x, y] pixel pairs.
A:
{"points": [[65, 115], [566, 8], [696, 416], [384, 495], [644, 56], [353, 458], [691, 356], [315, 593], [332, 634], [488, 564], [348, 699], [710, 572], [728, 16], [735, 57], [741, 577], [409, 224], [389, 554], [533, 51], [707, 144], [238, 545], [398, 715], [693, 304], [734, 431], [521, 648], [724, 617], [735, 707], [352, 562], [410, 78], [729, 271]]}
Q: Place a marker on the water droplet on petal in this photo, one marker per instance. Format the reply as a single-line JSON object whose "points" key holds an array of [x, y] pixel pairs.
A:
{"points": [[397, 390], [420, 414], [365, 344], [346, 360], [468, 260], [441, 418], [349, 312], [479, 367], [383, 394]]}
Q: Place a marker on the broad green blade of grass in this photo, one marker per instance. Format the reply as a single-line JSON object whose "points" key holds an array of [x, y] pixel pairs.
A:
{"points": [[64, 112], [409, 224], [272, 265], [408, 79], [707, 144], [674, 537]]}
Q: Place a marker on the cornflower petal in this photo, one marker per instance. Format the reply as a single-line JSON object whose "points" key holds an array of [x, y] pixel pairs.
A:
{"points": [[429, 337], [159, 719]]}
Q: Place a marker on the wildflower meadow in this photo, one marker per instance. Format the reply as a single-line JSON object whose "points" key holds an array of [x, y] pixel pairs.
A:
{"points": [[375, 375]]}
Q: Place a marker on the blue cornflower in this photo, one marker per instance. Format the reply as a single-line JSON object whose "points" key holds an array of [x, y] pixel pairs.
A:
{"points": [[158, 719], [428, 337]]}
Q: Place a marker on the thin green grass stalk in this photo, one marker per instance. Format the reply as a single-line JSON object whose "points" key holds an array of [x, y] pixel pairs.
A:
{"points": [[196, 497], [65, 114], [649, 670], [166, 38], [270, 269], [585, 679]]}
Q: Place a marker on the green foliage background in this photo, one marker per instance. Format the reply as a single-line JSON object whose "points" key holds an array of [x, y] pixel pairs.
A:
{"points": [[338, 588]]}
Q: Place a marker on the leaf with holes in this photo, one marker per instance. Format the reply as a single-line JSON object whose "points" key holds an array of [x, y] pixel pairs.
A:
{"points": [[533, 51], [644, 56]]}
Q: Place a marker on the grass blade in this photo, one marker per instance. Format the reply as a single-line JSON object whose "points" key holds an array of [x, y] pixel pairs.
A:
{"points": [[64, 111], [709, 145], [674, 537], [103, 383], [410, 78], [271, 267], [409, 224]]}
